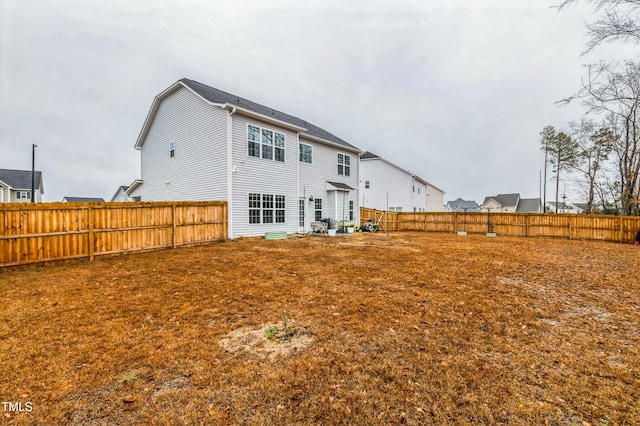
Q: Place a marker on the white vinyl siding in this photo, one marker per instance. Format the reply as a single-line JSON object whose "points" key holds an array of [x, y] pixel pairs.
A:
{"points": [[199, 170], [257, 175], [314, 177], [390, 186]]}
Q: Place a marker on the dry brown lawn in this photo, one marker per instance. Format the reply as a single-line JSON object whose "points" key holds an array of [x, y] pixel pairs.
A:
{"points": [[405, 328]]}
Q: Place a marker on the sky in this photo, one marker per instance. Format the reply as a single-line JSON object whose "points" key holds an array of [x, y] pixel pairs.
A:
{"points": [[456, 91]]}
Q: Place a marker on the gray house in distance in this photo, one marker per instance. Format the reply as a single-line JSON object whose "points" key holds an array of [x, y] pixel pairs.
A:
{"points": [[15, 186], [277, 172], [460, 205], [511, 203]]}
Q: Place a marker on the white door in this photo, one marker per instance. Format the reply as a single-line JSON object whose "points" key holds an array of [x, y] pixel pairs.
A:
{"points": [[302, 217]]}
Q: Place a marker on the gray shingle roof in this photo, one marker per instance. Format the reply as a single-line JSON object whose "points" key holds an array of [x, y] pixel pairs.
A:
{"points": [[504, 199], [218, 96], [83, 200], [459, 205], [529, 205], [368, 155], [19, 179]]}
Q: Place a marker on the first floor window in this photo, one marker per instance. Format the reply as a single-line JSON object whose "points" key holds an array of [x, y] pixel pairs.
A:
{"points": [[254, 208], [24, 195], [350, 209], [367, 185], [267, 208], [280, 208], [318, 208]]}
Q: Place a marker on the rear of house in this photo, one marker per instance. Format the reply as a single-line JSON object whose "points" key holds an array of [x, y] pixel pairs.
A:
{"points": [[200, 143]]}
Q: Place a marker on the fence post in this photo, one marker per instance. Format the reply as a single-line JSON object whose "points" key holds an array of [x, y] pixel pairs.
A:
{"points": [[621, 228], [90, 237], [173, 225], [570, 226]]}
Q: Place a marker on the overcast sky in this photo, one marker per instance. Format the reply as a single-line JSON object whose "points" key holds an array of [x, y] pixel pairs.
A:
{"points": [[456, 91]]}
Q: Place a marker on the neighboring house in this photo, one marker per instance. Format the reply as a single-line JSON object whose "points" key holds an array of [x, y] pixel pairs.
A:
{"points": [[564, 207], [384, 184], [460, 205], [82, 200], [511, 203], [121, 194], [500, 203], [277, 172], [15, 186], [529, 205]]}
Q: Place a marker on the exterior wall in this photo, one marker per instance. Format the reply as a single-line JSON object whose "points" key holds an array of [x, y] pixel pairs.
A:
{"points": [[3, 194], [313, 183], [262, 176], [495, 207], [435, 199], [385, 179], [120, 196], [10, 195], [198, 171]]}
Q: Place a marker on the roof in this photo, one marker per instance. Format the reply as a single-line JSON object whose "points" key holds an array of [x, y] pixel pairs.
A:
{"points": [[339, 186], [371, 156], [83, 200], [510, 200], [529, 205], [220, 97], [460, 205], [368, 155], [19, 179]]}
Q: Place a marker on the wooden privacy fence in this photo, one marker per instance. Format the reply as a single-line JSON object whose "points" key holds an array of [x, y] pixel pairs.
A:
{"points": [[572, 226], [36, 233]]}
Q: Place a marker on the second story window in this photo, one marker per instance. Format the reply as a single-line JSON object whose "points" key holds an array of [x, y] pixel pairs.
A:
{"points": [[344, 164], [265, 143], [172, 149], [306, 153], [367, 184]]}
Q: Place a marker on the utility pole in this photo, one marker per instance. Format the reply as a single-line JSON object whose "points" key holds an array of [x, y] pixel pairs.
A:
{"points": [[33, 172]]}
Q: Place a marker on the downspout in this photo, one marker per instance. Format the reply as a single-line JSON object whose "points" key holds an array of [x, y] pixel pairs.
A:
{"points": [[230, 173]]}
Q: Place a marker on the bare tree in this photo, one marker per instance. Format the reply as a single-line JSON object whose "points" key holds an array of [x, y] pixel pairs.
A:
{"points": [[614, 90], [620, 21], [594, 147]]}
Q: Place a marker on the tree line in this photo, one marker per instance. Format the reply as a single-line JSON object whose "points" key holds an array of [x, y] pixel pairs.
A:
{"points": [[605, 153]]}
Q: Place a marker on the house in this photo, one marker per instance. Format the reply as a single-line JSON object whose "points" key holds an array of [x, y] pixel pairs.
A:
{"points": [[82, 200], [500, 203], [277, 172], [385, 184], [564, 207], [460, 205], [511, 203], [15, 186], [121, 194], [529, 205]]}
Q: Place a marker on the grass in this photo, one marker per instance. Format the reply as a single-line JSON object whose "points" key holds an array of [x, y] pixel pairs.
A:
{"points": [[409, 328]]}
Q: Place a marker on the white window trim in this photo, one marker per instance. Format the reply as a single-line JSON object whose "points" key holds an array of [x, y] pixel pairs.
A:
{"points": [[274, 209], [344, 163], [300, 153], [260, 143]]}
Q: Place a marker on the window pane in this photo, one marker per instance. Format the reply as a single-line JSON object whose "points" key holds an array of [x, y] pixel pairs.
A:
{"points": [[347, 160], [267, 152], [279, 154], [347, 171], [267, 216], [279, 140], [279, 216], [253, 133], [267, 201], [267, 137], [280, 201], [340, 159], [254, 216], [254, 149]]}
